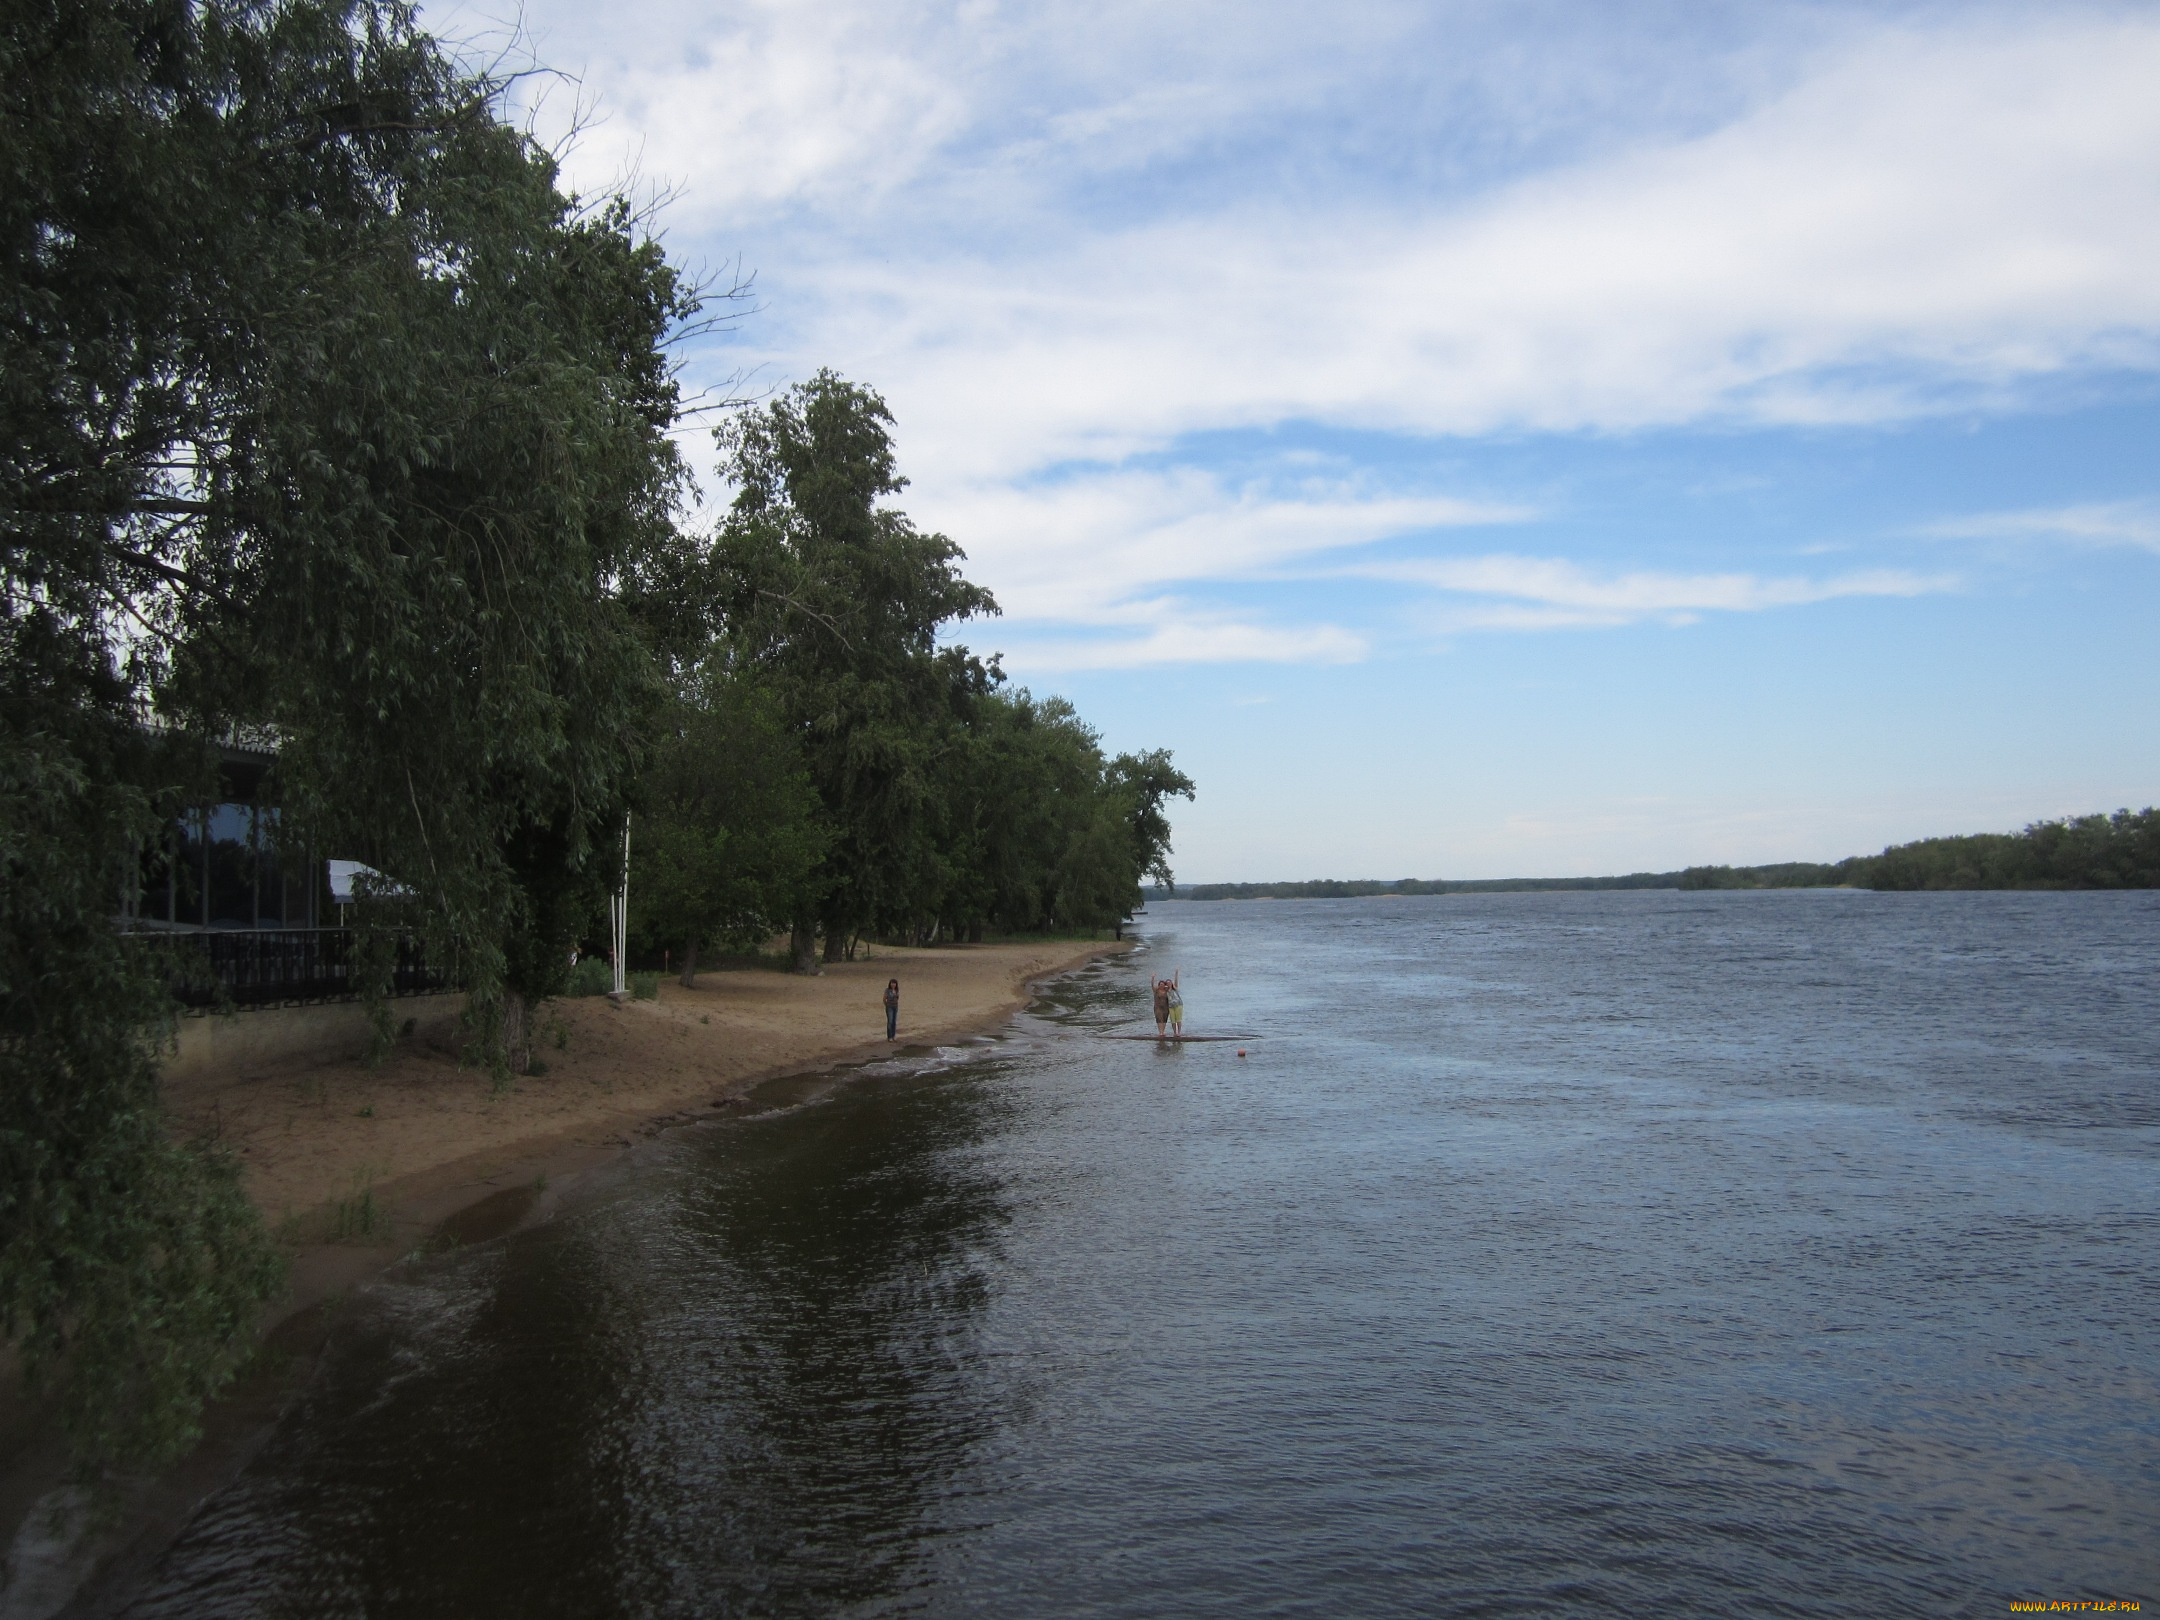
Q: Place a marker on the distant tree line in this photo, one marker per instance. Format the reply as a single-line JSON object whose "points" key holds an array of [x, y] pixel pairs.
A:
{"points": [[327, 415], [2119, 851], [1362, 888]]}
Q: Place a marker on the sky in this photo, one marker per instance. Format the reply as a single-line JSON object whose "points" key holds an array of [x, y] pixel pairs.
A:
{"points": [[1477, 439]]}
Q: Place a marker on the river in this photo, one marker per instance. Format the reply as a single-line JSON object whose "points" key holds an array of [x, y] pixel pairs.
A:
{"points": [[1543, 1254]]}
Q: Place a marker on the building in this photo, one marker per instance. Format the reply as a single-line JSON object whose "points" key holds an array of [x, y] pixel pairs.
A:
{"points": [[251, 924]]}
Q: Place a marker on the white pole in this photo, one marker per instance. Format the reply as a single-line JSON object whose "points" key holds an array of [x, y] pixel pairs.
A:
{"points": [[619, 914]]}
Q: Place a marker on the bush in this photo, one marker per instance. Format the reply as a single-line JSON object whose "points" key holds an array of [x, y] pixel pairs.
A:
{"points": [[645, 986], [592, 976]]}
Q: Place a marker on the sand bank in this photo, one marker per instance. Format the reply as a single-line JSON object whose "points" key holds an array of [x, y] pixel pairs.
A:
{"points": [[331, 1150]]}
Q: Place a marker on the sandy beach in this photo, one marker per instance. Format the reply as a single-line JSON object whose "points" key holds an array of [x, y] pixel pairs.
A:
{"points": [[357, 1156]]}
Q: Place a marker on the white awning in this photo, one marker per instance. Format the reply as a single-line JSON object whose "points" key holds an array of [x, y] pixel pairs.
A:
{"points": [[342, 874]]}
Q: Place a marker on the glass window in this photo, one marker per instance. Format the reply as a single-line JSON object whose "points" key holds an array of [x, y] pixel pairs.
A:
{"points": [[232, 866], [269, 880], [188, 870], [153, 899]]}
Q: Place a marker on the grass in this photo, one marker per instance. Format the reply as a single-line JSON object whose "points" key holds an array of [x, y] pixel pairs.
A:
{"points": [[594, 977], [359, 1217]]}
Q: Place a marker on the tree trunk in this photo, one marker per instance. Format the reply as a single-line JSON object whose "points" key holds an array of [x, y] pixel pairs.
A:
{"points": [[689, 963], [517, 1032], [835, 943], [805, 944], [975, 932]]}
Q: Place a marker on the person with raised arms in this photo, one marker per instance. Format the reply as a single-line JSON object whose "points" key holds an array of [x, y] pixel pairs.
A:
{"points": [[1169, 1008]]}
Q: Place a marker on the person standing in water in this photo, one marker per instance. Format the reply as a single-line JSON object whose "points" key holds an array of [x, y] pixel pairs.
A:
{"points": [[1161, 987], [1177, 1011], [892, 1009]]}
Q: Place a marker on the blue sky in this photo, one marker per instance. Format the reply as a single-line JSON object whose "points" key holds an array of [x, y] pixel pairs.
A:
{"points": [[1479, 439]]}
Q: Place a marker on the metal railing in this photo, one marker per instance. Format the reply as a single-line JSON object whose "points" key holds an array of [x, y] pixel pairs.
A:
{"points": [[261, 967]]}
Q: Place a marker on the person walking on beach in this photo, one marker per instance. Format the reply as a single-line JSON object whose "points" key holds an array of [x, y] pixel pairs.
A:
{"points": [[1177, 1011], [892, 1009]]}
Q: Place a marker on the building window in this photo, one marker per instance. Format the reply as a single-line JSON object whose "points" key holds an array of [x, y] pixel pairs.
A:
{"points": [[232, 866], [189, 864], [220, 867]]}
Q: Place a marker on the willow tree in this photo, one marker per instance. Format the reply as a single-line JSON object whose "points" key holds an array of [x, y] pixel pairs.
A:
{"points": [[322, 410]]}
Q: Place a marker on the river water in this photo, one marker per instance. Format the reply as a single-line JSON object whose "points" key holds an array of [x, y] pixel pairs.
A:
{"points": [[1572, 1254]]}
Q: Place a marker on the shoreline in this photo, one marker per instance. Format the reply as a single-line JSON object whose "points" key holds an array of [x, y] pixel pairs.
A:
{"points": [[357, 1170], [344, 1160]]}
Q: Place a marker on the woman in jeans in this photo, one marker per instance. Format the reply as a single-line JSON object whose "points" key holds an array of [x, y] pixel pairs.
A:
{"points": [[892, 1008]]}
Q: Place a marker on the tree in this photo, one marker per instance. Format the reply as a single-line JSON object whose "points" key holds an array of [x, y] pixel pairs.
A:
{"points": [[2121, 851], [1146, 783], [1042, 830], [130, 1262], [837, 603], [727, 831], [321, 410]]}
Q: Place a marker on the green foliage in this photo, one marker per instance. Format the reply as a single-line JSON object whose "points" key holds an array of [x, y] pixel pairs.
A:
{"points": [[131, 1264], [2121, 851], [1048, 834], [1787, 875], [729, 830], [945, 804], [644, 987], [358, 1217], [835, 606], [593, 976], [322, 412], [315, 377], [1365, 888]]}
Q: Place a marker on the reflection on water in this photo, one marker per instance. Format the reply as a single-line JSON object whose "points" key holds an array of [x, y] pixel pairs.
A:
{"points": [[1612, 1254]]}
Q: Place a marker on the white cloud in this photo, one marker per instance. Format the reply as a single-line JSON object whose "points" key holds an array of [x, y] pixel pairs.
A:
{"points": [[965, 117], [1545, 593], [1062, 237], [1083, 549], [1930, 216], [1191, 637], [2097, 523]]}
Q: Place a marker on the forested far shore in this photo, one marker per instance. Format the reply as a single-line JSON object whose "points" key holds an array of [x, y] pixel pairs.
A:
{"points": [[2119, 851]]}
